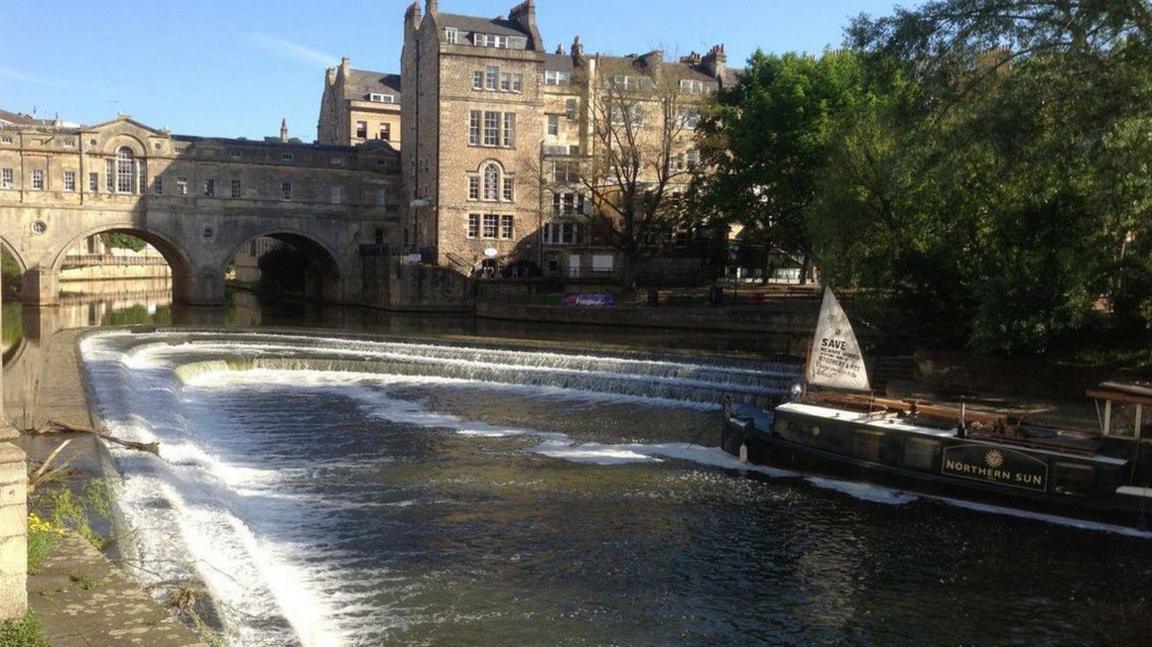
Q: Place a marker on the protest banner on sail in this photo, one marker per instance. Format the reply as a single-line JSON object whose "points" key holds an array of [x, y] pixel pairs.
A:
{"points": [[835, 359]]}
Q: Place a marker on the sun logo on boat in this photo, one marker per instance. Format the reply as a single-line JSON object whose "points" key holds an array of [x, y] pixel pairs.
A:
{"points": [[994, 458]]}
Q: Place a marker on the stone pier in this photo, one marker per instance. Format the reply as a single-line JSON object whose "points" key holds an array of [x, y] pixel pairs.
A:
{"points": [[13, 529]]}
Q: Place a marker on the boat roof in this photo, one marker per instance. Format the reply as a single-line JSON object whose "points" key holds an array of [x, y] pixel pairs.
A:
{"points": [[890, 421], [1127, 392]]}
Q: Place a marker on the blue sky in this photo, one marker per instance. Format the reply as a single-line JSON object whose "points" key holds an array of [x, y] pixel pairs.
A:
{"points": [[210, 67]]}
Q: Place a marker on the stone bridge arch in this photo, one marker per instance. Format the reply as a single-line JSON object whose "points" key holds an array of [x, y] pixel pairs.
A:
{"points": [[334, 271], [172, 251]]}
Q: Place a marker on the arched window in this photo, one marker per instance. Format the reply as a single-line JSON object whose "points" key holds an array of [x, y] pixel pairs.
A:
{"points": [[492, 182], [125, 170]]}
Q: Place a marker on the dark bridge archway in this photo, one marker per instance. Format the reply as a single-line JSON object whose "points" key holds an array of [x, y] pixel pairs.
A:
{"points": [[322, 276]]}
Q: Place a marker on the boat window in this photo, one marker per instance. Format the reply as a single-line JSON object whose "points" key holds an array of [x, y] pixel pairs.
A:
{"points": [[1123, 420]]}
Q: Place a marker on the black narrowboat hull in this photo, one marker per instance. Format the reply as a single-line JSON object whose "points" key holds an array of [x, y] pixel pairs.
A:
{"points": [[945, 466]]}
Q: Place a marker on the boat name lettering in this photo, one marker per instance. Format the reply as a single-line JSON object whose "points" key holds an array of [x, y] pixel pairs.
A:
{"points": [[995, 465]]}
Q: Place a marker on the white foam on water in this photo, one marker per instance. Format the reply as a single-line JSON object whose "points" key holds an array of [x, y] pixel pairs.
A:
{"points": [[594, 453], [863, 491], [1058, 520]]}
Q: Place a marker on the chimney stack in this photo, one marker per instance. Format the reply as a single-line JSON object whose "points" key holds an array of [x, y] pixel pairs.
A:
{"points": [[284, 129], [715, 62], [524, 14], [433, 7]]}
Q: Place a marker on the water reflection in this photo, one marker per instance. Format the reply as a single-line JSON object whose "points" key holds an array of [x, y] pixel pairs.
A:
{"points": [[89, 304]]}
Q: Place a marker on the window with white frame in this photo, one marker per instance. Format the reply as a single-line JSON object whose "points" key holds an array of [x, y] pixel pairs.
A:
{"points": [[361, 130], [478, 80], [565, 172], [491, 128], [158, 185], [386, 132], [506, 227], [381, 197], [509, 194], [473, 225], [94, 182], [691, 86], [554, 125], [236, 188], [492, 182], [474, 127], [6, 178], [125, 170], [336, 194], [557, 77], [509, 139], [491, 78], [627, 115], [473, 187], [451, 35], [561, 233], [210, 187], [5, 139], [182, 186], [37, 180], [110, 175], [286, 190], [69, 180], [567, 203], [491, 225], [687, 117]]}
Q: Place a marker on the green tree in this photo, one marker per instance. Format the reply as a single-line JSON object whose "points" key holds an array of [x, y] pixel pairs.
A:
{"points": [[993, 175], [765, 140]]}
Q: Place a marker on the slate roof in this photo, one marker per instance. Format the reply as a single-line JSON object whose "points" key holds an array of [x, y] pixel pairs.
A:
{"points": [[498, 26], [559, 62], [21, 119], [360, 83]]}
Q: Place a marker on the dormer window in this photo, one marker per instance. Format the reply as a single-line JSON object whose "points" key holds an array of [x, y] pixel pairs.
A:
{"points": [[499, 41], [377, 97], [691, 86], [556, 77], [452, 35]]}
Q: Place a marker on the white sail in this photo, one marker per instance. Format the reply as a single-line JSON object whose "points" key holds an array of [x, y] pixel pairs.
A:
{"points": [[835, 359]]}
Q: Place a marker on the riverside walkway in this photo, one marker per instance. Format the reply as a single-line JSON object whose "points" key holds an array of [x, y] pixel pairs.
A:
{"points": [[82, 598]]}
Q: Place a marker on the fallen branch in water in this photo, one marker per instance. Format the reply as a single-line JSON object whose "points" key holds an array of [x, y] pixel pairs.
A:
{"points": [[55, 427], [46, 471]]}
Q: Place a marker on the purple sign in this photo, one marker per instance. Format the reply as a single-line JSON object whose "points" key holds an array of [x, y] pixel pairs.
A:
{"points": [[589, 299]]}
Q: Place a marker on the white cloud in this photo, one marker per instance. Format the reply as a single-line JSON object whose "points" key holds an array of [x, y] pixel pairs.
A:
{"points": [[285, 49], [6, 73]]}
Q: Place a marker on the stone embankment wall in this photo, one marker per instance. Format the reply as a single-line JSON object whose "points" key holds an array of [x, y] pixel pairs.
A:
{"points": [[13, 532], [115, 272], [392, 285], [788, 324]]}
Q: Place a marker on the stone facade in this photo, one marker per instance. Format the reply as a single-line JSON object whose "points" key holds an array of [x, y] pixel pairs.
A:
{"points": [[359, 106], [13, 532], [490, 116], [197, 200]]}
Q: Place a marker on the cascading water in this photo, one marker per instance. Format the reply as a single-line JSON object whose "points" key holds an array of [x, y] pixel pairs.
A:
{"points": [[338, 491]]}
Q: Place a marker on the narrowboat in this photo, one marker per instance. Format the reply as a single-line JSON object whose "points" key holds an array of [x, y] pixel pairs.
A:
{"points": [[833, 423]]}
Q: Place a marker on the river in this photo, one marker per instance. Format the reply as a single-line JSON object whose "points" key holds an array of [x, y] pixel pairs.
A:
{"points": [[450, 484]]}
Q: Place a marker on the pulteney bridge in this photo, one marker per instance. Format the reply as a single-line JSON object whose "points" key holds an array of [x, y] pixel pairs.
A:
{"points": [[197, 200]]}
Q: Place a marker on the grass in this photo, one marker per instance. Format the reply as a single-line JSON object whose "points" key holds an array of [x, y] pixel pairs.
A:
{"points": [[23, 633]]}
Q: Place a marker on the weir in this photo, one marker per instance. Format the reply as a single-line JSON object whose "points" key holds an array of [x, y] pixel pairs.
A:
{"points": [[334, 491]]}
